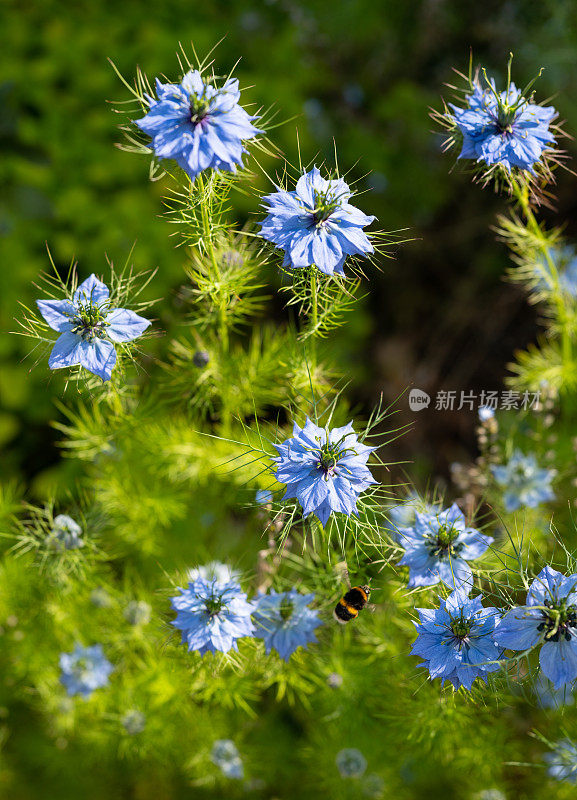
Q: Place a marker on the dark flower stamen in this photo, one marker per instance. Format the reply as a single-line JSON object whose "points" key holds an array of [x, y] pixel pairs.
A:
{"points": [[90, 322], [198, 108], [213, 606], [441, 543], [558, 622], [286, 609], [461, 628]]}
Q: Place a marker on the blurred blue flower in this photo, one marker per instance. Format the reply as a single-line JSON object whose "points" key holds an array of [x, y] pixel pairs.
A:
{"points": [[138, 612], [549, 697], [316, 224], [263, 497], [351, 763], [456, 640], [438, 546], [84, 670], [325, 470], [212, 615], [285, 622], [565, 261], [549, 617], [226, 756], [486, 413], [525, 484], [198, 125], [66, 534], [89, 327], [403, 514], [504, 128], [134, 722], [562, 761], [214, 569]]}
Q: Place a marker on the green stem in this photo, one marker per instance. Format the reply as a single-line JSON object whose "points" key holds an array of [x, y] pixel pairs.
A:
{"points": [[314, 318], [566, 344], [219, 300]]}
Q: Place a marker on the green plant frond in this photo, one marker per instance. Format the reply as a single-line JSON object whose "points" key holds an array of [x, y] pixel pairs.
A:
{"points": [[244, 380], [229, 281], [322, 300], [543, 365]]}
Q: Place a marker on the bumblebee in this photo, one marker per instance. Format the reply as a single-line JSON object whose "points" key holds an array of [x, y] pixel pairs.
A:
{"points": [[353, 601]]}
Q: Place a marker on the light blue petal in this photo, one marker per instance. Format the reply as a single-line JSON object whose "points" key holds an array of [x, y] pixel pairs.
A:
{"points": [[124, 325], [91, 291], [57, 313], [558, 661], [66, 351], [98, 357]]}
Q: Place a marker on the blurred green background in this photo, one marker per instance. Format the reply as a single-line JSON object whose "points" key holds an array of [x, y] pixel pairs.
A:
{"points": [[362, 71]]}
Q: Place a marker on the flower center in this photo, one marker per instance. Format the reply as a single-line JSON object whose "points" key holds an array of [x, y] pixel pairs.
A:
{"points": [[213, 606], [199, 106], [286, 609], [520, 474], [461, 628], [89, 322], [82, 669], [441, 542], [325, 204], [506, 116], [329, 458], [558, 621]]}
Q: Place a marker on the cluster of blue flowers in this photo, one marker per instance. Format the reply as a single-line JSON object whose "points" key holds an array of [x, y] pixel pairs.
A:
{"points": [[226, 756], [549, 619], [562, 761], [202, 127], [461, 640], [563, 258], [213, 614]]}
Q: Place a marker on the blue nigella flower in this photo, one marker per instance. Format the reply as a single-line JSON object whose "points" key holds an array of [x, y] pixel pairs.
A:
{"points": [[549, 617], [66, 534], [198, 125], [285, 622], [504, 128], [212, 615], [226, 756], [456, 640], [351, 763], [89, 327], [325, 470], [316, 224], [562, 761], [438, 546], [84, 670], [134, 722], [525, 484], [486, 413], [263, 497]]}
